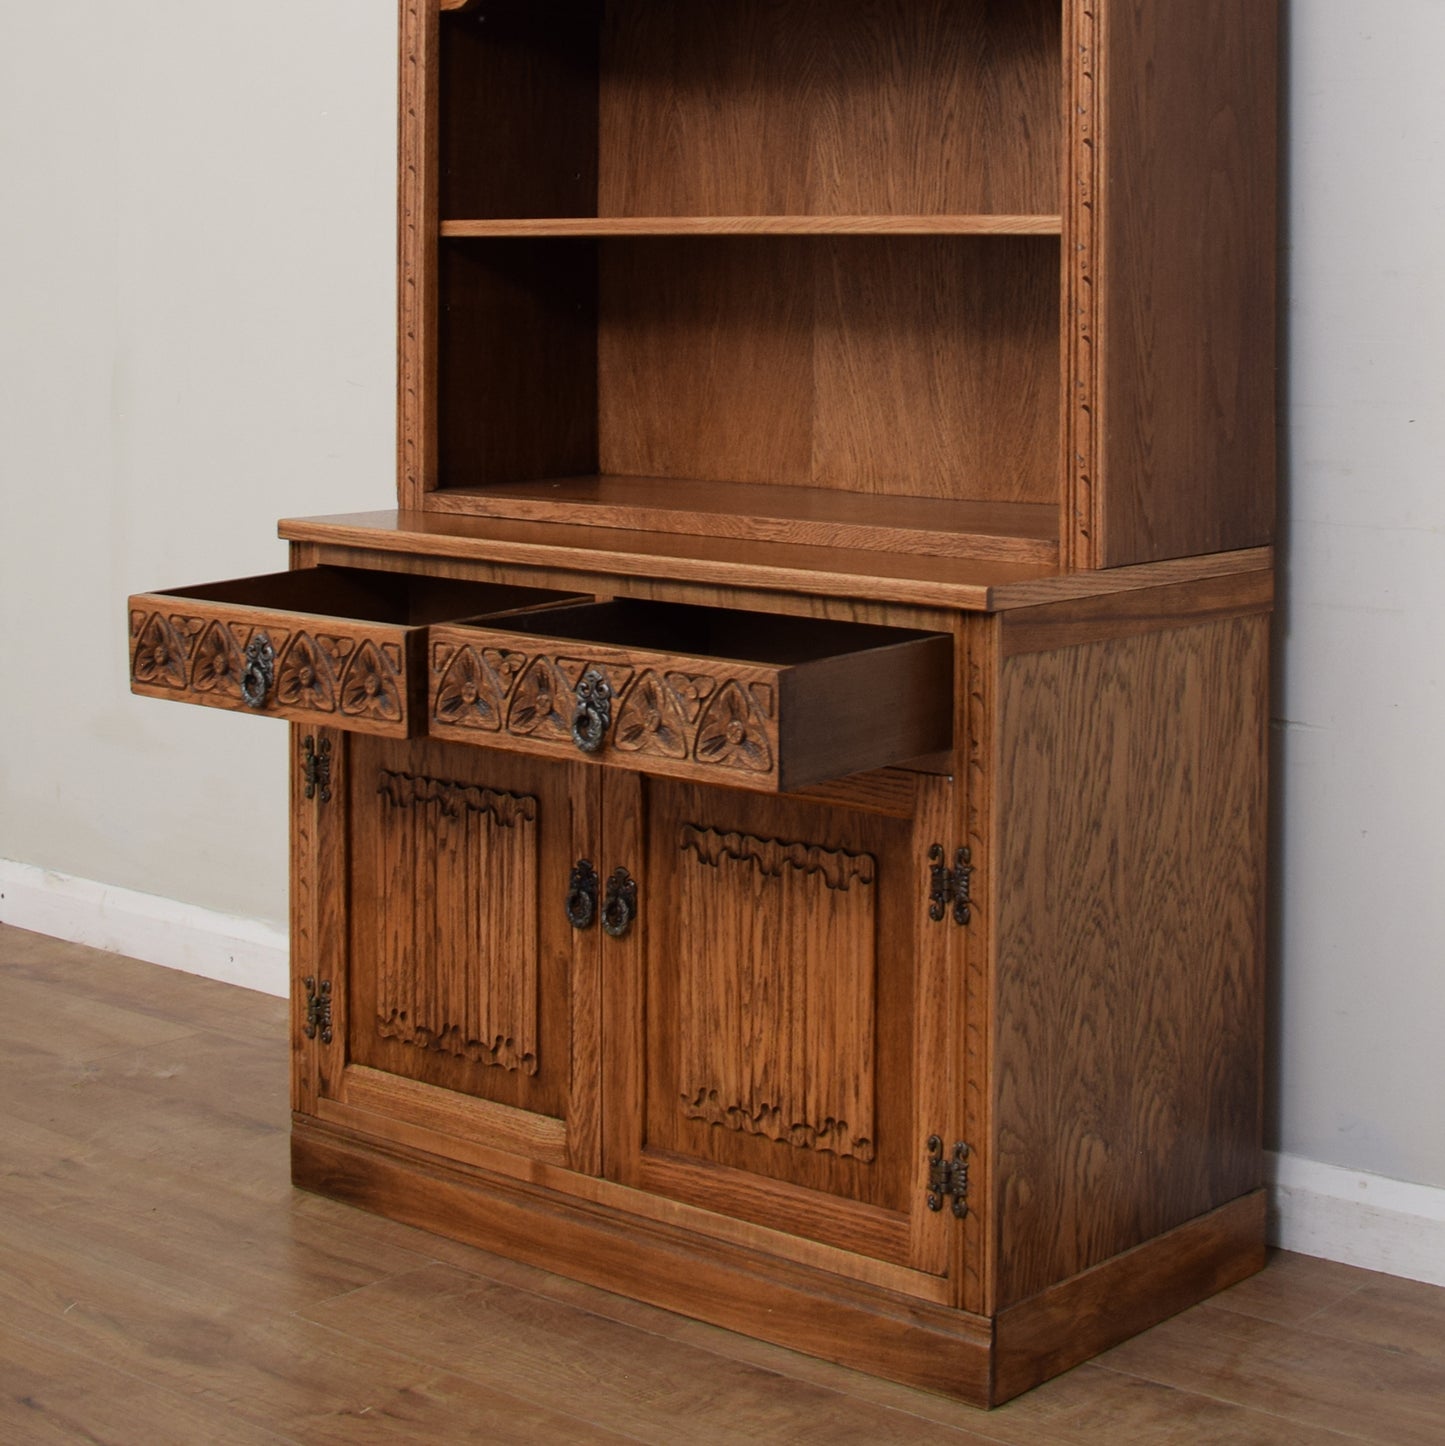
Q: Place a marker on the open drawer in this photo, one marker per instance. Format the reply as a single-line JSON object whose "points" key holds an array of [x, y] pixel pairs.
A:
{"points": [[334, 645], [755, 699]]}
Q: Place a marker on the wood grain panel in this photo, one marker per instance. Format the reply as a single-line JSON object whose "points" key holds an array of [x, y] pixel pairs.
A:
{"points": [[1185, 243], [933, 368], [785, 575], [909, 367], [975, 225], [815, 107], [1050, 627], [1126, 1294], [1006, 531], [462, 967], [705, 358], [1130, 859], [465, 981], [761, 980], [318, 871], [777, 989]]}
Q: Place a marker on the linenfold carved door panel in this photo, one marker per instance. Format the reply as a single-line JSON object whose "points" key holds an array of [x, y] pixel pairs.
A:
{"points": [[470, 1002], [771, 1056]]}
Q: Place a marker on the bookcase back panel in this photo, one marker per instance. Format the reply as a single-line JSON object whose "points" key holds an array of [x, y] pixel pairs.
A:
{"points": [[898, 366], [906, 366], [743, 107], [751, 107]]}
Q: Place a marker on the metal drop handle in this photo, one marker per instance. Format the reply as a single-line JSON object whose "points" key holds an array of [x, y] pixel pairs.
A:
{"points": [[260, 671], [581, 903], [619, 908], [593, 715]]}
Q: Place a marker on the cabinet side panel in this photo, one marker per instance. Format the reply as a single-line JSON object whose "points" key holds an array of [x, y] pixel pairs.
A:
{"points": [[1186, 240], [1127, 1069], [518, 110], [517, 381]]}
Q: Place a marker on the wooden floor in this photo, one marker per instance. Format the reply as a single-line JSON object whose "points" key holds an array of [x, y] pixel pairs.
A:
{"points": [[161, 1282]]}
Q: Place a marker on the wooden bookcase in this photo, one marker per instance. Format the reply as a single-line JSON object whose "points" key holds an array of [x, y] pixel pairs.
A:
{"points": [[779, 808]]}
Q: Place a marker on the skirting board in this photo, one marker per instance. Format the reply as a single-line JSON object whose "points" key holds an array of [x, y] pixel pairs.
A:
{"points": [[1367, 1220], [1315, 1209], [200, 941]]}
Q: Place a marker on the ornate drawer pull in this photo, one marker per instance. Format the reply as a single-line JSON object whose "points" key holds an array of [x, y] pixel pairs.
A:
{"points": [[581, 905], [260, 671], [593, 715], [619, 909]]}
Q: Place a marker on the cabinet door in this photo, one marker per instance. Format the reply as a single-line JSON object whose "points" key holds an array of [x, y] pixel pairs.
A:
{"points": [[778, 1011], [463, 1004]]}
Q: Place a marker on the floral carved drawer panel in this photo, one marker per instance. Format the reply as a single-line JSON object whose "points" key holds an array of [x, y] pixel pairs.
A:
{"points": [[331, 645], [799, 700]]}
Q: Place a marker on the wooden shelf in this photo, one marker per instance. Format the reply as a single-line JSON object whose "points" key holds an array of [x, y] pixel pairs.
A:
{"points": [[973, 225], [1023, 532]]}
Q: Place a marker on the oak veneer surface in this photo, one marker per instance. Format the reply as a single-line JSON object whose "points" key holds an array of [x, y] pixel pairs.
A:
{"points": [[999, 531], [744, 107], [1185, 276], [555, 554], [1127, 1061], [441, 988], [975, 225], [162, 1282], [907, 366]]}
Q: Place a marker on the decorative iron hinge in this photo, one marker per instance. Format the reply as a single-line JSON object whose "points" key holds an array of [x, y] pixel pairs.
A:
{"points": [[947, 1177], [316, 763], [318, 1009], [950, 888]]}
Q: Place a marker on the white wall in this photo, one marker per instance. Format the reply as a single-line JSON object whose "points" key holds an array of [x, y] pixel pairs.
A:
{"points": [[196, 337], [1360, 746]]}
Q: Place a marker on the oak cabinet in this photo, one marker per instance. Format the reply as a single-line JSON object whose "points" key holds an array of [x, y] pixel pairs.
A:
{"points": [[778, 810], [738, 1006]]}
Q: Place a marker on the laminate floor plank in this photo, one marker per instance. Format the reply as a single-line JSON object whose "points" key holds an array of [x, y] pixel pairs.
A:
{"points": [[661, 1390], [164, 994], [1404, 1316], [50, 1394], [161, 1281], [1300, 1374], [79, 1029], [1089, 1406], [267, 1370], [1295, 1288]]}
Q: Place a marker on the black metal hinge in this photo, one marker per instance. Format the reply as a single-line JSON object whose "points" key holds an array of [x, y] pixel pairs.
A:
{"points": [[947, 1179], [316, 766], [950, 888], [318, 1009]]}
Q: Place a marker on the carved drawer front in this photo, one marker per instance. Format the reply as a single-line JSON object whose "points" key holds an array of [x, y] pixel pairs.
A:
{"points": [[752, 699], [340, 646]]}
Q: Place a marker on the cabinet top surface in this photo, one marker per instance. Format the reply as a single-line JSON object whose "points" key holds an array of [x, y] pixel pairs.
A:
{"points": [[965, 584]]}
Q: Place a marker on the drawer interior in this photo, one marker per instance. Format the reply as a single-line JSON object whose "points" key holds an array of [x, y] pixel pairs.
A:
{"points": [[375, 597], [771, 639]]}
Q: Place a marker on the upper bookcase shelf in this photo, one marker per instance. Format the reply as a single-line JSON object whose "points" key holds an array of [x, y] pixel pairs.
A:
{"points": [[912, 115], [756, 226]]}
